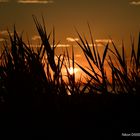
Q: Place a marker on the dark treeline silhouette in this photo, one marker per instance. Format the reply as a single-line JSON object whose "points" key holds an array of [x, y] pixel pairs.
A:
{"points": [[34, 95]]}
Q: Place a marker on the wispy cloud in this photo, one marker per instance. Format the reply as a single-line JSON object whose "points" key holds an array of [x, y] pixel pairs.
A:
{"points": [[63, 45], [35, 1], [78, 55], [4, 1], [103, 40], [4, 32], [2, 39], [71, 39], [3, 35], [59, 45], [36, 37], [98, 44], [135, 3]]}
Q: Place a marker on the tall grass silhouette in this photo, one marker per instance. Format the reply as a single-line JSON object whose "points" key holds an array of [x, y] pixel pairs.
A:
{"points": [[28, 76], [124, 72], [35, 93]]}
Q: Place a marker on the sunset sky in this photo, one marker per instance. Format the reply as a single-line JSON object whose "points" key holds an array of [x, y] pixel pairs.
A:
{"points": [[115, 18]]}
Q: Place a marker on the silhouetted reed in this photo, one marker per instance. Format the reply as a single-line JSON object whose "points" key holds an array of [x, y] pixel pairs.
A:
{"points": [[124, 72], [28, 75]]}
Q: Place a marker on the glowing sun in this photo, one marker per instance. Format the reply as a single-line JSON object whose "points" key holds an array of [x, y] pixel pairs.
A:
{"points": [[73, 70]]}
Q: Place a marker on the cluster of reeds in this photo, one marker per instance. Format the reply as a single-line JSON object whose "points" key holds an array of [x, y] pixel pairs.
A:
{"points": [[125, 72], [25, 72]]}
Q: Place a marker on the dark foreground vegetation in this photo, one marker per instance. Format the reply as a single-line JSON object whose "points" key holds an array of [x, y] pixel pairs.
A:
{"points": [[34, 96]]}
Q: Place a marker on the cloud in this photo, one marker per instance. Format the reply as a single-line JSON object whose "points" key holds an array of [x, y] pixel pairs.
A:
{"points": [[135, 3], [2, 39], [78, 55], [4, 32], [63, 45], [4, 1], [35, 37], [103, 40], [70, 39], [35, 1], [59, 45], [98, 44]]}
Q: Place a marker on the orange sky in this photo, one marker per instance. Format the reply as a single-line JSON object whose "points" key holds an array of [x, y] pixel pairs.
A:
{"points": [[108, 18]]}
